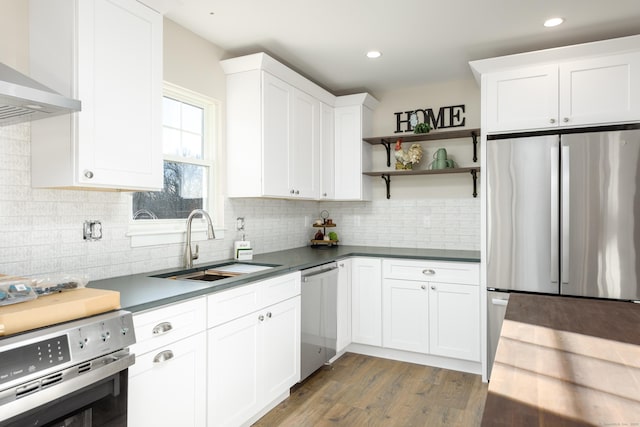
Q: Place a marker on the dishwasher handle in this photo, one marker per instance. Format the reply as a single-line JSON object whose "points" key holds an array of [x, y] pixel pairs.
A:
{"points": [[321, 274], [498, 301]]}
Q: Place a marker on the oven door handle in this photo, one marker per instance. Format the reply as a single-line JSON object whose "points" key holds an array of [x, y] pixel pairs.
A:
{"points": [[101, 368]]}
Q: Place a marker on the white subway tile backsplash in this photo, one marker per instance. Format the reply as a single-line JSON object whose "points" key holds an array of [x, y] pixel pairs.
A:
{"points": [[41, 229]]}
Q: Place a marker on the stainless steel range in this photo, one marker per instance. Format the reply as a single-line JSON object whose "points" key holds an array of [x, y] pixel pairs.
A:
{"points": [[71, 374]]}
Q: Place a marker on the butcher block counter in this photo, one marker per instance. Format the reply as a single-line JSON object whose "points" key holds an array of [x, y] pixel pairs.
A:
{"points": [[565, 361]]}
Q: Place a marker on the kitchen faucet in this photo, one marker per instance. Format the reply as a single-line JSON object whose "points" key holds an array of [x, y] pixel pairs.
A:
{"points": [[188, 255]]}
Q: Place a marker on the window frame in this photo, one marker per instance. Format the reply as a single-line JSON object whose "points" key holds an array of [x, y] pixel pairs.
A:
{"points": [[151, 232]]}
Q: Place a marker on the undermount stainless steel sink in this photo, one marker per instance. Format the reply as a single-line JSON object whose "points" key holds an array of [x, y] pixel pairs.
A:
{"points": [[216, 272]]}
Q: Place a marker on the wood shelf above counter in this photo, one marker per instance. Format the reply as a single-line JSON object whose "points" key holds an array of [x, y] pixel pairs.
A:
{"points": [[386, 141], [386, 175]]}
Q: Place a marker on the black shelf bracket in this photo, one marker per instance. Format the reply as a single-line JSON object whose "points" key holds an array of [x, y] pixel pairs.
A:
{"points": [[387, 145], [387, 180], [474, 136], [474, 176]]}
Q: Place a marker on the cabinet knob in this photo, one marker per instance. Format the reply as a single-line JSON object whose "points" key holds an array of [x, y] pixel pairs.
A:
{"points": [[552, 121], [163, 356], [292, 191], [429, 272], [324, 194], [433, 288], [423, 287], [162, 328], [88, 174], [341, 264], [297, 192], [261, 318], [566, 120], [268, 315]]}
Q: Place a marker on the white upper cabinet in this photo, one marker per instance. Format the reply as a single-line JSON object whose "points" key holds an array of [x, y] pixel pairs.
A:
{"points": [[304, 148], [277, 113], [583, 85], [522, 99], [289, 138], [353, 122], [273, 130], [115, 141], [600, 90], [327, 152]]}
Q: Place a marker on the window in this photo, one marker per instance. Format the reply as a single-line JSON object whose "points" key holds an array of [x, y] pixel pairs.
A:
{"points": [[189, 130]]}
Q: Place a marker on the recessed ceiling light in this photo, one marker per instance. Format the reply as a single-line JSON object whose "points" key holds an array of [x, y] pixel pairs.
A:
{"points": [[553, 22], [373, 54]]}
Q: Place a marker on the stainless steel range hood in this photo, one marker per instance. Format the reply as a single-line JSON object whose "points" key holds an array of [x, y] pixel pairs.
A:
{"points": [[24, 99]]}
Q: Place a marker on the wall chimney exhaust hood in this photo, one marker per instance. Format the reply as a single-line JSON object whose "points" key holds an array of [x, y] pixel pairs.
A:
{"points": [[24, 99]]}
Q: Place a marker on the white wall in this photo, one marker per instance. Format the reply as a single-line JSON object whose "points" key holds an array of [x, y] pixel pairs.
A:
{"points": [[41, 230]]}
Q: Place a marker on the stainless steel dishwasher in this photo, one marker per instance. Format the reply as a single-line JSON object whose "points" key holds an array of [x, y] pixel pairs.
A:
{"points": [[319, 317]]}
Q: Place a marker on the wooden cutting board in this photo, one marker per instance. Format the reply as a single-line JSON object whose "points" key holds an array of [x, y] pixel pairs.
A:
{"points": [[56, 308]]}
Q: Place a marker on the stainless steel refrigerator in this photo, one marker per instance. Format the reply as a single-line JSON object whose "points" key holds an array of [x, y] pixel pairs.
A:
{"points": [[563, 216]]}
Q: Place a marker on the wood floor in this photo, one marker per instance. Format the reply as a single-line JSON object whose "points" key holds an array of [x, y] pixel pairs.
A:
{"points": [[361, 390]]}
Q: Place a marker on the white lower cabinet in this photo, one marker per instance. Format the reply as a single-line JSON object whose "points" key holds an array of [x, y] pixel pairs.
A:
{"points": [[167, 384], [366, 294], [253, 355], [432, 307], [344, 305], [167, 387], [405, 315], [454, 320]]}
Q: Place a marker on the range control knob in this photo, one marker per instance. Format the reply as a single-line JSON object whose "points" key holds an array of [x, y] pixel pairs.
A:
{"points": [[105, 336]]}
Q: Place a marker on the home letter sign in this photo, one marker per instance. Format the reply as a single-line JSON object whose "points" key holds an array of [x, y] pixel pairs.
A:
{"points": [[448, 117]]}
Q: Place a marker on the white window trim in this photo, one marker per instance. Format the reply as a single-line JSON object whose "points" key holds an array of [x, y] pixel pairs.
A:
{"points": [[173, 231]]}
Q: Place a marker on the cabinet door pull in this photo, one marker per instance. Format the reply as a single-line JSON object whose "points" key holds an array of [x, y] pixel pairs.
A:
{"points": [[297, 191], [162, 328], [429, 272], [552, 121], [292, 191], [261, 318], [268, 315], [163, 356], [566, 120], [423, 287], [433, 288], [88, 174]]}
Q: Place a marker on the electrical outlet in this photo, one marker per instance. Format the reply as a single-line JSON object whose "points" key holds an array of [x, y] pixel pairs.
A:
{"points": [[92, 230]]}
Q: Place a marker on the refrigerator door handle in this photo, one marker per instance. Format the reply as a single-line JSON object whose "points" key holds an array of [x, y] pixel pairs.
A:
{"points": [[554, 250], [565, 214]]}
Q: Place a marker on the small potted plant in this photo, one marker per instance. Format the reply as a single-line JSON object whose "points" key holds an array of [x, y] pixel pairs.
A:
{"points": [[422, 128]]}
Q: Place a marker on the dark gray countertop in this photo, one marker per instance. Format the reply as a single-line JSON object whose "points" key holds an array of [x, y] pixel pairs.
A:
{"points": [[141, 292]]}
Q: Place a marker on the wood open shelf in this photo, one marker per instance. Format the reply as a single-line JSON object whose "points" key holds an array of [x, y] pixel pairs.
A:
{"points": [[386, 141], [386, 175]]}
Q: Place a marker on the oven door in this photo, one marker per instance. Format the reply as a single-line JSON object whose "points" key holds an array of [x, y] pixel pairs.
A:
{"points": [[100, 399]]}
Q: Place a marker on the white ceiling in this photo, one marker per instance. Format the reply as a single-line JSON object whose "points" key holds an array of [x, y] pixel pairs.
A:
{"points": [[422, 41]]}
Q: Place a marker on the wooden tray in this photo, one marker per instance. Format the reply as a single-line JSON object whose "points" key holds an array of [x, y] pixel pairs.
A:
{"points": [[56, 308]]}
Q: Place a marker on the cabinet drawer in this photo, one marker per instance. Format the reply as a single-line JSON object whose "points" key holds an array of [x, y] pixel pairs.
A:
{"points": [[160, 327], [432, 271], [278, 289], [228, 305]]}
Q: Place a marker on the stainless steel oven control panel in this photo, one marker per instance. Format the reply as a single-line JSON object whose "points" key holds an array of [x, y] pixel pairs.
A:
{"points": [[39, 352]]}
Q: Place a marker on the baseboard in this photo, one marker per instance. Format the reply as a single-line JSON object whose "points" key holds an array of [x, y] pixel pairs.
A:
{"points": [[275, 402], [417, 358]]}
